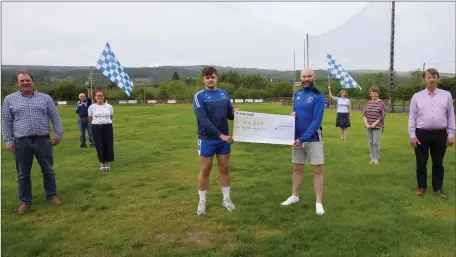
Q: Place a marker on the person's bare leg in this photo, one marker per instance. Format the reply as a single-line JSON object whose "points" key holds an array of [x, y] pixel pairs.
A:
{"points": [[203, 183], [205, 170], [297, 178], [345, 133], [341, 134], [318, 187], [225, 180], [318, 182], [296, 184]]}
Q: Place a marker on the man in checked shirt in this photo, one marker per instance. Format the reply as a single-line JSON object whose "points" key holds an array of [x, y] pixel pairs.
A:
{"points": [[26, 132]]}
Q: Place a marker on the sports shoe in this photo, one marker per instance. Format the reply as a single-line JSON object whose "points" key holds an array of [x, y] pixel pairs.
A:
{"points": [[228, 204], [201, 208], [291, 200], [319, 209], [376, 161]]}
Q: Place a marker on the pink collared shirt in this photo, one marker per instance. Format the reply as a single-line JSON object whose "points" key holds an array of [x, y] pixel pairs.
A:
{"points": [[431, 111]]}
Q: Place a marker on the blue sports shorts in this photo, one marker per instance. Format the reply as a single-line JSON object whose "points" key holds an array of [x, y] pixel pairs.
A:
{"points": [[207, 148]]}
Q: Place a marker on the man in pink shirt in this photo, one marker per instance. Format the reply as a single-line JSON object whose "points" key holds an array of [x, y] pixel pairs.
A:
{"points": [[431, 128]]}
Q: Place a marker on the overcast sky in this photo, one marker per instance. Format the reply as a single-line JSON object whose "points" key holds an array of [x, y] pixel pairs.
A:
{"points": [[255, 35]]}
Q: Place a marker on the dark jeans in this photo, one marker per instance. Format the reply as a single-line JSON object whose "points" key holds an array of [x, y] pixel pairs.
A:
{"points": [[85, 124], [41, 148], [435, 143], [103, 136]]}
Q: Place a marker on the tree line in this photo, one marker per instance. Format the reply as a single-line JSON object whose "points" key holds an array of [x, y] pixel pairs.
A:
{"points": [[240, 87]]}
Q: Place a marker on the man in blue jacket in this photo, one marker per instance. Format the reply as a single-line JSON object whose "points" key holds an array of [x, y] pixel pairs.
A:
{"points": [[308, 109], [213, 108], [82, 107]]}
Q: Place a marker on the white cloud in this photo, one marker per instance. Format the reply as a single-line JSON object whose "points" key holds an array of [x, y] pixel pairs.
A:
{"points": [[261, 35]]}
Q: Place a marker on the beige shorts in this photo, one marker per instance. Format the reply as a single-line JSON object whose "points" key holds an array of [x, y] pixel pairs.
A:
{"points": [[313, 150]]}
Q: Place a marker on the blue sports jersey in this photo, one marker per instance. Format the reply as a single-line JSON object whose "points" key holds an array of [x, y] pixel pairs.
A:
{"points": [[309, 105], [83, 107], [212, 109]]}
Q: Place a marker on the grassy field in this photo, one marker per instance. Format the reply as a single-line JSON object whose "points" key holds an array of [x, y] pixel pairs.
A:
{"points": [[146, 206]]}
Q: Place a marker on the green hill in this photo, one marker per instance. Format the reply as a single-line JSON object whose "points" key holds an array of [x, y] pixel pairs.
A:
{"points": [[155, 75]]}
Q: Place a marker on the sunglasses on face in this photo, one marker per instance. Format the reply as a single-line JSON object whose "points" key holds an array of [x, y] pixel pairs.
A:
{"points": [[210, 77]]}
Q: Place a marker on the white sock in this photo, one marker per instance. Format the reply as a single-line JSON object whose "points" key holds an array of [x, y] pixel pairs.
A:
{"points": [[202, 195], [319, 208], [226, 192]]}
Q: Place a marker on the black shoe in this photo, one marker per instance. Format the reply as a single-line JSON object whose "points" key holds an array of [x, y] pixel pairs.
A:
{"points": [[83, 146]]}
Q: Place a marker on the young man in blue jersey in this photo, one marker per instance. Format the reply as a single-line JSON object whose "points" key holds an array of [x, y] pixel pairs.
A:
{"points": [[213, 108], [308, 109]]}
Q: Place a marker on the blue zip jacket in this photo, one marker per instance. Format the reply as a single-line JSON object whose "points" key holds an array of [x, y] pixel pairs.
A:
{"points": [[309, 105], [212, 109], [82, 108]]}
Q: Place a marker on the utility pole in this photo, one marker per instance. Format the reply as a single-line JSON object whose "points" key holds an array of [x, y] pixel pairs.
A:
{"points": [[304, 54], [422, 83], [145, 88], [294, 61], [391, 70], [307, 40], [373, 77], [90, 81]]}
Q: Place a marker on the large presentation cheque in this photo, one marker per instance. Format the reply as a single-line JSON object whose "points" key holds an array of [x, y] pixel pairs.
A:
{"points": [[263, 128]]}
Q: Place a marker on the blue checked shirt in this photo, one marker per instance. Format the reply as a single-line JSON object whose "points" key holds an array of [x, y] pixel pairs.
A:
{"points": [[24, 116]]}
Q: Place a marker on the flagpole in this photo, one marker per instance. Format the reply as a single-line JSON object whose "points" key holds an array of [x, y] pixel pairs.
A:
{"points": [[329, 81], [329, 90]]}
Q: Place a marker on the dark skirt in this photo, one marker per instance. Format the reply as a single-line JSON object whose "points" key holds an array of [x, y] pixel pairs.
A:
{"points": [[343, 120], [103, 137]]}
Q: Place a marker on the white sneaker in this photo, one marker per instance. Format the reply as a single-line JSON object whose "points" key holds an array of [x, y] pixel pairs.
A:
{"points": [[201, 208], [319, 209], [228, 204], [376, 161], [102, 168], [291, 200]]}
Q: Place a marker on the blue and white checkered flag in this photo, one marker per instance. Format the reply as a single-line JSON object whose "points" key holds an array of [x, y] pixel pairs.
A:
{"points": [[111, 68], [336, 69]]}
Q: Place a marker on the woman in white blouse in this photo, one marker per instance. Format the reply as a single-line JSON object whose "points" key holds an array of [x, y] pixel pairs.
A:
{"points": [[100, 114], [343, 112]]}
